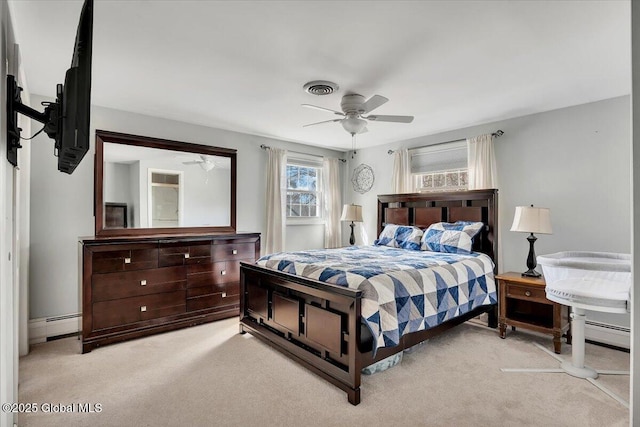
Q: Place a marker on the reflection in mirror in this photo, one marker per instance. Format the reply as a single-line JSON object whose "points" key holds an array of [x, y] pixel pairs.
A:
{"points": [[149, 186], [162, 188]]}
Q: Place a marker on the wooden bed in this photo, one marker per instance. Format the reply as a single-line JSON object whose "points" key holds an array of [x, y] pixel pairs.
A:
{"points": [[319, 325]]}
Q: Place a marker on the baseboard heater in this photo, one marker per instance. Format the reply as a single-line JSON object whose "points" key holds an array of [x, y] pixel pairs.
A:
{"points": [[48, 328], [618, 336], [45, 329]]}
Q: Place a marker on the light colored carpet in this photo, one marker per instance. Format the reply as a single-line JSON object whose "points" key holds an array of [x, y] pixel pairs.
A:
{"points": [[210, 375]]}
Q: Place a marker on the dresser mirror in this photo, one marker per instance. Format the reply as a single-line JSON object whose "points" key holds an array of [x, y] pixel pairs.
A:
{"points": [[146, 186]]}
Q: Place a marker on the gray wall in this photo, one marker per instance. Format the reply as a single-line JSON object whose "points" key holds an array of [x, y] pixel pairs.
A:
{"points": [[574, 161], [62, 205]]}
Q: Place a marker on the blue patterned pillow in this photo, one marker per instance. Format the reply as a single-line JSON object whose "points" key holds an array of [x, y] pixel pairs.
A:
{"points": [[400, 236], [453, 238]]}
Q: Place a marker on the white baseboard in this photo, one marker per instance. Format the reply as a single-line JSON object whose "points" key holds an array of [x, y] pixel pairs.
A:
{"points": [[605, 333], [40, 330]]}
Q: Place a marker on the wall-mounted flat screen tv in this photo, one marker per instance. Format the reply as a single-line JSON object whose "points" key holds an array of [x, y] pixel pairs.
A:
{"points": [[66, 121]]}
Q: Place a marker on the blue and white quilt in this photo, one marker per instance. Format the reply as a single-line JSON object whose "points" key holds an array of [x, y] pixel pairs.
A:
{"points": [[403, 290]]}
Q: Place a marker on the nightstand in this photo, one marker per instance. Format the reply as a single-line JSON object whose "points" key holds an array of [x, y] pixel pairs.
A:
{"points": [[523, 304]]}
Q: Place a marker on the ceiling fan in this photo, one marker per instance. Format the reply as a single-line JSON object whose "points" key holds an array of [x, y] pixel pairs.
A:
{"points": [[205, 163], [354, 107]]}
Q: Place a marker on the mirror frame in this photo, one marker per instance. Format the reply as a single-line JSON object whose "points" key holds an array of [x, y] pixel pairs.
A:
{"points": [[103, 136]]}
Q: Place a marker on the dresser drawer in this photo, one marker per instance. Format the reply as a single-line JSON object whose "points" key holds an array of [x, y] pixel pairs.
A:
{"points": [[125, 311], [226, 288], [120, 258], [181, 254], [212, 301], [126, 284], [228, 271], [201, 274], [233, 251], [526, 293], [214, 273]]}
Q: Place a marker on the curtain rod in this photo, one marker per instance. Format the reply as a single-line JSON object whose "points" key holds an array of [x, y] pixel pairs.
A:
{"points": [[496, 134], [266, 147]]}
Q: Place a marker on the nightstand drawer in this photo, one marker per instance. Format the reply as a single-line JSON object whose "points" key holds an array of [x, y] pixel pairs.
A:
{"points": [[526, 293]]}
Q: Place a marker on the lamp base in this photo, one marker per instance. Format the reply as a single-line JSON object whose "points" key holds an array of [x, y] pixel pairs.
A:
{"points": [[352, 238], [531, 259], [531, 273]]}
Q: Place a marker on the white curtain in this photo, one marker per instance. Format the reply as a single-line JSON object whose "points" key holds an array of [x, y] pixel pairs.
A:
{"points": [[332, 205], [482, 162], [276, 194], [402, 171]]}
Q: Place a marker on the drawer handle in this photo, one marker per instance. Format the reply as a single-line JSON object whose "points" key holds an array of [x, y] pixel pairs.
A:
{"points": [[143, 308], [224, 295], [527, 293], [234, 252], [223, 272], [143, 283], [127, 260], [186, 255]]}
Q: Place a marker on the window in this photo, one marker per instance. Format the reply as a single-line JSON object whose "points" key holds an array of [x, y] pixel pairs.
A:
{"points": [[441, 167], [449, 180], [304, 194]]}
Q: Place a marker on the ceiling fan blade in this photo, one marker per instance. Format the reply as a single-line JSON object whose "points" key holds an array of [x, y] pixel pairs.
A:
{"points": [[397, 119], [319, 123], [323, 109], [374, 102]]}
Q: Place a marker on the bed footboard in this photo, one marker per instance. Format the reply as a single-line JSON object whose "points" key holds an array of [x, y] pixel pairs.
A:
{"points": [[319, 325], [315, 324]]}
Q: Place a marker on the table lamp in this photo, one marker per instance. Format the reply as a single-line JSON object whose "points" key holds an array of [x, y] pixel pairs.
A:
{"points": [[532, 220], [352, 213]]}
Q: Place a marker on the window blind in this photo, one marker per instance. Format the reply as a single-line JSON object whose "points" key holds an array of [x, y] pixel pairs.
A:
{"points": [[439, 157], [308, 160]]}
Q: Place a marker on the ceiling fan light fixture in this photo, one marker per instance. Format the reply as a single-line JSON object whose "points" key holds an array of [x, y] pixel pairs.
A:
{"points": [[353, 125]]}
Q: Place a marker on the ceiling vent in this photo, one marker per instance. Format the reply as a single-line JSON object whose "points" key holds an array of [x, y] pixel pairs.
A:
{"points": [[320, 87]]}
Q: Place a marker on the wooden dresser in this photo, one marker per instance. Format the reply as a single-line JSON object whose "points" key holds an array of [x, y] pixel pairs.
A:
{"points": [[138, 286]]}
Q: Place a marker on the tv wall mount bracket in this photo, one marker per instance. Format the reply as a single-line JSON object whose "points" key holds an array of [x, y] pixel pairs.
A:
{"points": [[51, 117]]}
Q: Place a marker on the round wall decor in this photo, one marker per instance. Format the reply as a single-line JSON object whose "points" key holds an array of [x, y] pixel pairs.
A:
{"points": [[362, 178]]}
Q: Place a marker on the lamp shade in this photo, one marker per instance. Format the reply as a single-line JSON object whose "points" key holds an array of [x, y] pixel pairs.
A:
{"points": [[351, 213], [529, 219]]}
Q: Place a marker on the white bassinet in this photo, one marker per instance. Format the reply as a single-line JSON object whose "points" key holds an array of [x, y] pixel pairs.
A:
{"points": [[598, 281]]}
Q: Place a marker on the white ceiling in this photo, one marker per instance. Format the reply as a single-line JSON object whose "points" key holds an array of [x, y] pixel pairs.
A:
{"points": [[241, 65]]}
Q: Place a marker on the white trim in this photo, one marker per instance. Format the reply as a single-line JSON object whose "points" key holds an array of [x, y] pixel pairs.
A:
{"points": [[23, 191], [44, 328]]}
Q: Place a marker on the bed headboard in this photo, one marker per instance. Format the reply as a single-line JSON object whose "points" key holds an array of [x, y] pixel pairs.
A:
{"points": [[423, 209]]}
